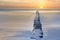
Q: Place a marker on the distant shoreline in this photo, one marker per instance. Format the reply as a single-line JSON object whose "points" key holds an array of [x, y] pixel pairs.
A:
{"points": [[27, 9]]}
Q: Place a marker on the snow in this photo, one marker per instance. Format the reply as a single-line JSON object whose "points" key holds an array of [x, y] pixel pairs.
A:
{"points": [[20, 35]]}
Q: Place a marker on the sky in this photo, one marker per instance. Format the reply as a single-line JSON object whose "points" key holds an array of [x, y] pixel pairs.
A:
{"points": [[30, 3]]}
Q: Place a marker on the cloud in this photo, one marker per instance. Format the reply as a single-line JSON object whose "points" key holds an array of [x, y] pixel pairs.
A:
{"points": [[31, 3]]}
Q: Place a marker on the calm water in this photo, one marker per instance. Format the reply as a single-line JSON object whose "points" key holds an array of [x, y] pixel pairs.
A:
{"points": [[18, 25]]}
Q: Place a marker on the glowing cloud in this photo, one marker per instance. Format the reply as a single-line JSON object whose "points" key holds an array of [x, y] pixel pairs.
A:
{"points": [[30, 3]]}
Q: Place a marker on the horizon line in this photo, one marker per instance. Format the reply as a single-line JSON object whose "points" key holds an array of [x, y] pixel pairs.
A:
{"points": [[29, 9]]}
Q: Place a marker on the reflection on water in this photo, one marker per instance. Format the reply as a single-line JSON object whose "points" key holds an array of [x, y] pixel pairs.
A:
{"points": [[17, 25]]}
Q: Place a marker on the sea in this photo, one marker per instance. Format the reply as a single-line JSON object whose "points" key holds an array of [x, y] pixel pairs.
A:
{"points": [[17, 24]]}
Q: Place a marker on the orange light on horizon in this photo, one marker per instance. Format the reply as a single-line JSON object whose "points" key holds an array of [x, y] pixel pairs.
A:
{"points": [[42, 4], [47, 4]]}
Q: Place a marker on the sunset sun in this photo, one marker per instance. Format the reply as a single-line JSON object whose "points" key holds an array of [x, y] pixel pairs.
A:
{"points": [[42, 3]]}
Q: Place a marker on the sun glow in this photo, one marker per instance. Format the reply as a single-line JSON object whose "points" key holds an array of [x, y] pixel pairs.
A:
{"points": [[42, 3]]}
